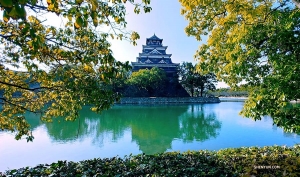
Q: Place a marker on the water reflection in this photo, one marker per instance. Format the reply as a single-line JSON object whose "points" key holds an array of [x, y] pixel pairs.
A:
{"points": [[135, 129], [196, 124], [153, 128]]}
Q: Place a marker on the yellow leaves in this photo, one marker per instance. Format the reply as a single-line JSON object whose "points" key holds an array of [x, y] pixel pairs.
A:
{"points": [[95, 5], [70, 17], [95, 22], [112, 36], [120, 36], [134, 37], [48, 30], [182, 11], [53, 95], [117, 20], [6, 16], [102, 77], [88, 68], [68, 54], [210, 41], [51, 7], [33, 19]]}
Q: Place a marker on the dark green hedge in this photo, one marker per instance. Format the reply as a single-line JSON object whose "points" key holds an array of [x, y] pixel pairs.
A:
{"points": [[250, 161]]}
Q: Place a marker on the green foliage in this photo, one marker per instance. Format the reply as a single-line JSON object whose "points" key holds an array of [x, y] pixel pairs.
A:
{"points": [[62, 68], [193, 81], [148, 80], [252, 161], [240, 91], [253, 41]]}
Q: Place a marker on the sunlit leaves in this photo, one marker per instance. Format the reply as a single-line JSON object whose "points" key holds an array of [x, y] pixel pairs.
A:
{"points": [[62, 68], [256, 42], [134, 37], [147, 79]]}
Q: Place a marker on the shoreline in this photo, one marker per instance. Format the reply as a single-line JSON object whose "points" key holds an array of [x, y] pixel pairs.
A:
{"points": [[167, 100], [234, 99]]}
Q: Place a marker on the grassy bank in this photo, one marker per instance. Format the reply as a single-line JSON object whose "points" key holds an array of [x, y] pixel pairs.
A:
{"points": [[264, 161]]}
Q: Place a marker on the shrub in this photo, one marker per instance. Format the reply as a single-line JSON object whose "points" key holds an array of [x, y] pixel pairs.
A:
{"points": [[245, 161]]}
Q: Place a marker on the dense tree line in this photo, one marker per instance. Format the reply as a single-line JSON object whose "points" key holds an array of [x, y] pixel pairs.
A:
{"points": [[230, 92], [155, 83], [150, 83], [194, 82]]}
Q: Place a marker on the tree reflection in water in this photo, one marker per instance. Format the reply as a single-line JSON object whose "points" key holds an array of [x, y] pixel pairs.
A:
{"points": [[153, 128], [196, 124]]}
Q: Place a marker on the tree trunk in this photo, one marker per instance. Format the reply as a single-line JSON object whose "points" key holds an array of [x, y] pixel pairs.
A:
{"points": [[201, 90], [192, 92]]}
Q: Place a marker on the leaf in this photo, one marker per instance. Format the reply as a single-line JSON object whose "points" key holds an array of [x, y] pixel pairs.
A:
{"points": [[22, 2], [78, 1], [21, 12], [79, 22], [95, 22], [13, 13], [6, 3], [64, 52], [6, 16], [33, 2]]}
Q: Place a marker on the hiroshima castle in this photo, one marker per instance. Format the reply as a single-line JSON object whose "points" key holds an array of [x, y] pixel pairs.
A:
{"points": [[154, 55]]}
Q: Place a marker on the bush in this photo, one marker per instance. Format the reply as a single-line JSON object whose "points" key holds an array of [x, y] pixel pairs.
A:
{"points": [[250, 161]]}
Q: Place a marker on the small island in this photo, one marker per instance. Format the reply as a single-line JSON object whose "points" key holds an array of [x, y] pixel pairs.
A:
{"points": [[155, 79]]}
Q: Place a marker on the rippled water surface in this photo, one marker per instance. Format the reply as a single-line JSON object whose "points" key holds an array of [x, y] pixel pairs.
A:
{"points": [[135, 129]]}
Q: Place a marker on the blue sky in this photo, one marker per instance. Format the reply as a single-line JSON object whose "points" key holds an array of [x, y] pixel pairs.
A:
{"points": [[166, 22]]}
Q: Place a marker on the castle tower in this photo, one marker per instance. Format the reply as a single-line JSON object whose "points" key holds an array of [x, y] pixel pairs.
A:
{"points": [[154, 55]]}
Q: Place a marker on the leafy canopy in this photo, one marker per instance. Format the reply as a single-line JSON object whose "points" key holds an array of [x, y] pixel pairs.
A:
{"points": [[256, 42], [53, 71], [146, 79], [193, 81]]}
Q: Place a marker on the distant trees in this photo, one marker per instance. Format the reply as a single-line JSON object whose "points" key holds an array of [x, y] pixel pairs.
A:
{"points": [[195, 83], [240, 91]]}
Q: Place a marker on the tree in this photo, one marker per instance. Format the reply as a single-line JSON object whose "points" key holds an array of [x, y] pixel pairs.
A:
{"points": [[148, 80], [256, 42], [78, 55], [195, 82]]}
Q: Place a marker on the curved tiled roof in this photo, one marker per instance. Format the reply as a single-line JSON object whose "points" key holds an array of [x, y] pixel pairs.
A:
{"points": [[154, 37]]}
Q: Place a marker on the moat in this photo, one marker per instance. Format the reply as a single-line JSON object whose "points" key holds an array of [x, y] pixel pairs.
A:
{"points": [[135, 129]]}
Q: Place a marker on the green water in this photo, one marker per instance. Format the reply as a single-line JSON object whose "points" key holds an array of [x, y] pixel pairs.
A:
{"points": [[136, 129]]}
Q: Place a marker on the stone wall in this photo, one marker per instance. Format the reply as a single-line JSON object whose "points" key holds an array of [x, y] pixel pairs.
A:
{"points": [[167, 100]]}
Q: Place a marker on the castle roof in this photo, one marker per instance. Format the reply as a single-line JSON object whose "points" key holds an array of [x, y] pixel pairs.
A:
{"points": [[154, 55], [154, 37]]}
